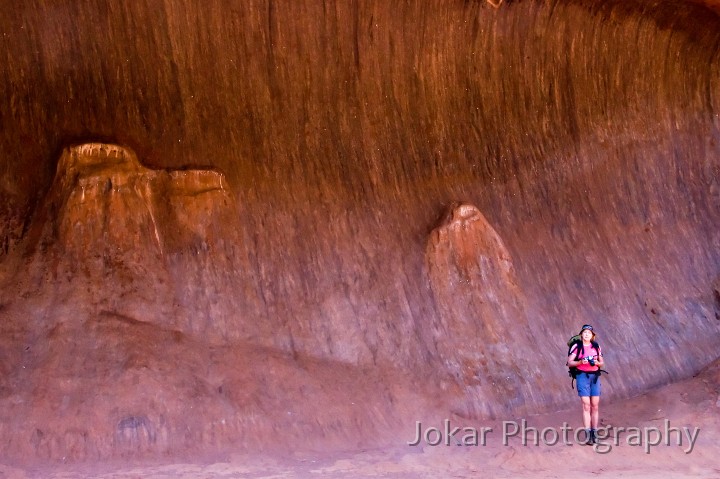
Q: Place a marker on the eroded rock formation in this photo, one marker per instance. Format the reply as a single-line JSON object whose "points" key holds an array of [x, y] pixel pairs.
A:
{"points": [[482, 329], [137, 339], [160, 245], [581, 137]]}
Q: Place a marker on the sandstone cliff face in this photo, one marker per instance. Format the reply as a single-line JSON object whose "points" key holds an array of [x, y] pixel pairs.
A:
{"points": [[412, 193], [136, 335]]}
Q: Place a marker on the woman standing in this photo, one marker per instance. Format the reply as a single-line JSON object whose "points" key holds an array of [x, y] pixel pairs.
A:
{"points": [[586, 356]]}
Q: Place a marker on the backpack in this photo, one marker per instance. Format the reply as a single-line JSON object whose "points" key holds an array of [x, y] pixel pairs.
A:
{"points": [[572, 370]]}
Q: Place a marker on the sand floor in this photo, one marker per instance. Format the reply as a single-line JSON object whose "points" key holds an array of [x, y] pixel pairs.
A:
{"points": [[692, 407]]}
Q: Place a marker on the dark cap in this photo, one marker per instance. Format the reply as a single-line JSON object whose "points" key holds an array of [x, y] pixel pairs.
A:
{"points": [[586, 326]]}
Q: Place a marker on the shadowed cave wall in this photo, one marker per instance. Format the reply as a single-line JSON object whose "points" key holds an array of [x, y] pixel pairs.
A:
{"points": [[410, 204]]}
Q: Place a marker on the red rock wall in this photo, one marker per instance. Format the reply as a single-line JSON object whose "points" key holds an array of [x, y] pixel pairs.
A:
{"points": [[582, 135]]}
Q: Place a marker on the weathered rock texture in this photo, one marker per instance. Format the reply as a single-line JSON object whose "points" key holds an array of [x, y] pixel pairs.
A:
{"points": [[481, 329], [580, 138], [162, 245]]}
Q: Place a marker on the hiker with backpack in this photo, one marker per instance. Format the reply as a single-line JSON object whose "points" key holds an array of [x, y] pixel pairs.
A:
{"points": [[585, 361]]}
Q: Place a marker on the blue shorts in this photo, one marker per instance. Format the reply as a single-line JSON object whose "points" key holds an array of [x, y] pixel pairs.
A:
{"points": [[588, 384]]}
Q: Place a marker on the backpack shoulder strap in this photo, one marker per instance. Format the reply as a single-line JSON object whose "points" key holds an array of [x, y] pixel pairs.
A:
{"points": [[578, 346]]}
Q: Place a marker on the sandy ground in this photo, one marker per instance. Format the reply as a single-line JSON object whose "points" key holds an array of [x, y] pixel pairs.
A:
{"points": [[691, 406]]}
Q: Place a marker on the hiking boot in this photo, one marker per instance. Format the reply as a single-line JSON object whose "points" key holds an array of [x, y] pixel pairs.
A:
{"points": [[592, 438]]}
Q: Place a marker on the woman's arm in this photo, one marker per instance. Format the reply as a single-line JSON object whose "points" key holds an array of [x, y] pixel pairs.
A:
{"points": [[575, 363], [600, 361]]}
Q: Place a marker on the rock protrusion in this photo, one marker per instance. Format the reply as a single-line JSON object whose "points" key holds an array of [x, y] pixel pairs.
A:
{"points": [[165, 244], [482, 328], [113, 203]]}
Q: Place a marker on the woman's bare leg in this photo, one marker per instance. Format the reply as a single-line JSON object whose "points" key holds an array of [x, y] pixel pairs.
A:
{"points": [[586, 411], [594, 411]]}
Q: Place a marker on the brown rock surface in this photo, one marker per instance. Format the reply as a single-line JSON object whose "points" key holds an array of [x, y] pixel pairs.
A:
{"points": [[418, 204], [482, 325]]}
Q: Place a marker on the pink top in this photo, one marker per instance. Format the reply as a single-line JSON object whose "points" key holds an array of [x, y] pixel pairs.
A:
{"points": [[588, 351]]}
